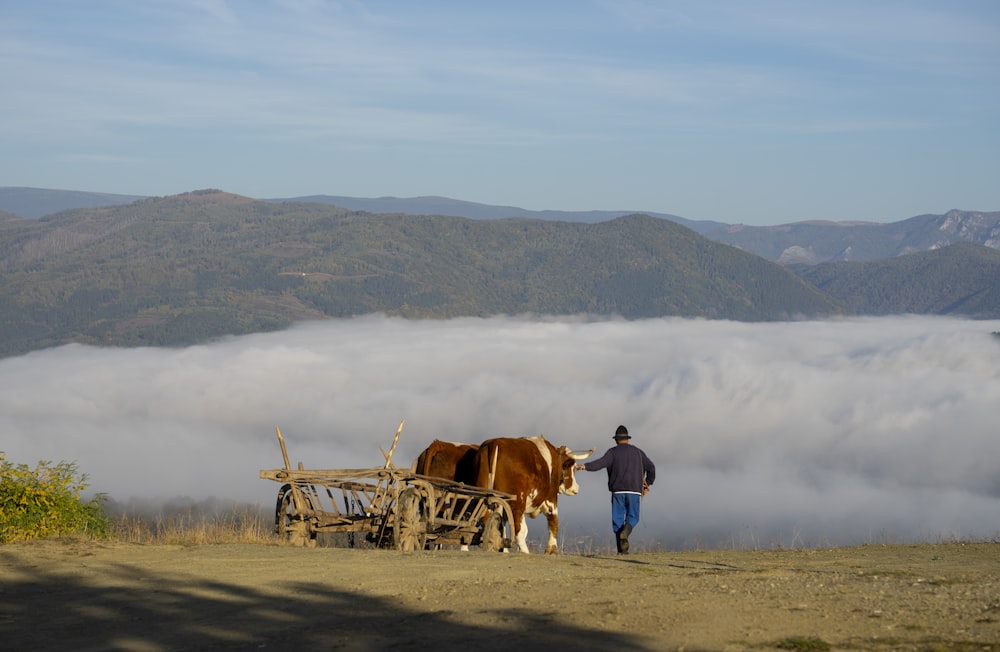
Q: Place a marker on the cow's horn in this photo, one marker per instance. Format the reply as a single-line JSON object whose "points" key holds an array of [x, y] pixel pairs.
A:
{"points": [[581, 455]]}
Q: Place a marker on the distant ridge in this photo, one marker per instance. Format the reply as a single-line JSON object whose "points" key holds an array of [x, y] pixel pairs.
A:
{"points": [[808, 242], [38, 202], [434, 205], [816, 242]]}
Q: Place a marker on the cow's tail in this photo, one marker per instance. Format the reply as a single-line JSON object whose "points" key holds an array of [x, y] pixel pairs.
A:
{"points": [[493, 467], [484, 465]]}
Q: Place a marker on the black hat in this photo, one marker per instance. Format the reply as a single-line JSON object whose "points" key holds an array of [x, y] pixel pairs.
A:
{"points": [[622, 433]]}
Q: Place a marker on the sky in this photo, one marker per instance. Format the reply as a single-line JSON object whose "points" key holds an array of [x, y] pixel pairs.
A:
{"points": [[758, 113], [802, 434]]}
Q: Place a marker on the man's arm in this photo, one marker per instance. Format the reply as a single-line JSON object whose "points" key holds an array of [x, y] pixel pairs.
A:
{"points": [[649, 468], [595, 465]]}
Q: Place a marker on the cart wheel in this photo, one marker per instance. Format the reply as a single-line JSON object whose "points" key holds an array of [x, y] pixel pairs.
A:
{"points": [[494, 529], [290, 526], [410, 526]]}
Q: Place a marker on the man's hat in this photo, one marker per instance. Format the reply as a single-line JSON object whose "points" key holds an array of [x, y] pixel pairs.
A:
{"points": [[622, 433]]}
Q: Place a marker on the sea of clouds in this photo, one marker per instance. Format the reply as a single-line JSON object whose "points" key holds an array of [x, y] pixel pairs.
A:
{"points": [[798, 434]]}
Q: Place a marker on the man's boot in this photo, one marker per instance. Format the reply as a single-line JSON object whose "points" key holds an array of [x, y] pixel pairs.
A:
{"points": [[623, 539]]}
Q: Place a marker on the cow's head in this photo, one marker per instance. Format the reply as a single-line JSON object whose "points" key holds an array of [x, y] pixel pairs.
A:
{"points": [[568, 459]]}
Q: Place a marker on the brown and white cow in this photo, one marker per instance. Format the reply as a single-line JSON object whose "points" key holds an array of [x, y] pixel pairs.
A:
{"points": [[536, 472], [447, 460]]}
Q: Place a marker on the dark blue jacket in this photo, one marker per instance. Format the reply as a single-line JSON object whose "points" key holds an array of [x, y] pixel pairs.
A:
{"points": [[626, 465]]}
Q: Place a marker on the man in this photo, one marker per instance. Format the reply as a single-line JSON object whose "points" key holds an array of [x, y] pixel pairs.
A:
{"points": [[630, 474]]}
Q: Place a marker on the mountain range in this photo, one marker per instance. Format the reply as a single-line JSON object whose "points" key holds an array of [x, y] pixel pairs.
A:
{"points": [[186, 268], [808, 242]]}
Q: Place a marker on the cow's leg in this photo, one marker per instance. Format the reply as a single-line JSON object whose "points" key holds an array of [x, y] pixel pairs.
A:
{"points": [[553, 519], [519, 512], [521, 532]]}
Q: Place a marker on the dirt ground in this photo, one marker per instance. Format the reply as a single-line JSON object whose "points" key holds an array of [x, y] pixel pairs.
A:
{"points": [[81, 596]]}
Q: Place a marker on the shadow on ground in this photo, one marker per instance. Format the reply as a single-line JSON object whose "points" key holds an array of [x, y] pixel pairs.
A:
{"points": [[135, 609]]}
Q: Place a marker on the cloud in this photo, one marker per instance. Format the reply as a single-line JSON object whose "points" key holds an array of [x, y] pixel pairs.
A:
{"points": [[794, 434]]}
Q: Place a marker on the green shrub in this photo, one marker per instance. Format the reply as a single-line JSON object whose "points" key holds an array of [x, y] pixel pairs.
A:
{"points": [[45, 502]]}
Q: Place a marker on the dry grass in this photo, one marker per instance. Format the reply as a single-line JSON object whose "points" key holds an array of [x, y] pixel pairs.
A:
{"points": [[187, 522], [195, 527]]}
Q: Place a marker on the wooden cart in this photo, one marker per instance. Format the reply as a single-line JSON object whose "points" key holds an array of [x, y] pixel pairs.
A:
{"points": [[391, 507]]}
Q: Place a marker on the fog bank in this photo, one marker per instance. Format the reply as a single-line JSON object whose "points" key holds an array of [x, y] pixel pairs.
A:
{"points": [[792, 434]]}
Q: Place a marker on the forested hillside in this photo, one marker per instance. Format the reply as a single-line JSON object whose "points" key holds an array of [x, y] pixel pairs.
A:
{"points": [[182, 269], [962, 279]]}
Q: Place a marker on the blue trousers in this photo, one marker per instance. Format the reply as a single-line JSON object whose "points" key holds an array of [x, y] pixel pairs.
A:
{"points": [[624, 509]]}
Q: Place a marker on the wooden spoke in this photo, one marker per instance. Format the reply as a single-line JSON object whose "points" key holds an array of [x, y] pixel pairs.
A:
{"points": [[292, 529], [410, 526], [494, 534]]}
